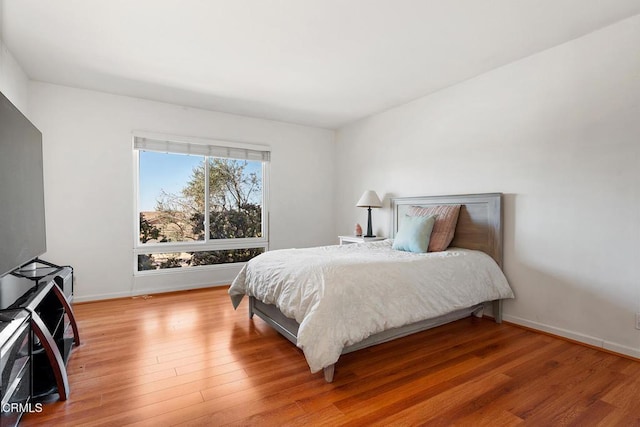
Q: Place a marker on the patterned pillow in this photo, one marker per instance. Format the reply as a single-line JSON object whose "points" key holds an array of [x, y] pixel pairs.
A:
{"points": [[445, 226]]}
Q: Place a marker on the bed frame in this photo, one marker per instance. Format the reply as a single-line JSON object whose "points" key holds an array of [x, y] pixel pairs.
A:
{"points": [[479, 227]]}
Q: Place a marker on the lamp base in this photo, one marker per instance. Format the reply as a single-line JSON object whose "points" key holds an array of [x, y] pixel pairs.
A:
{"points": [[369, 228]]}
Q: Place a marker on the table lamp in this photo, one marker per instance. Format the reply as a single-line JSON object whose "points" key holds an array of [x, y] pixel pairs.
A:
{"points": [[369, 200]]}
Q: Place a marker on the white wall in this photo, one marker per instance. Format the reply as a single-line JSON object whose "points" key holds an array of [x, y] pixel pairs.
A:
{"points": [[14, 83], [559, 134], [89, 174]]}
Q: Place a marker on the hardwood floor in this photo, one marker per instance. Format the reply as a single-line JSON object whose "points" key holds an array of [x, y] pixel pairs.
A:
{"points": [[189, 359]]}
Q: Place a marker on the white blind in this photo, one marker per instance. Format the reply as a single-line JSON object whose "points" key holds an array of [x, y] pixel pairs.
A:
{"points": [[228, 152]]}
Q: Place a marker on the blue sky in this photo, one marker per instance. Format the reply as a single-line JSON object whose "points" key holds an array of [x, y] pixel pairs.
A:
{"points": [[161, 171], [168, 172]]}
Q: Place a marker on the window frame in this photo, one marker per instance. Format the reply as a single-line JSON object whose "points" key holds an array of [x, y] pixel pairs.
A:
{"points": [[207, 244]]}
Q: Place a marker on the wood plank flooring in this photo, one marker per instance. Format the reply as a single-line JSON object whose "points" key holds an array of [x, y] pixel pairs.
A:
{"points": [[189, 359]]}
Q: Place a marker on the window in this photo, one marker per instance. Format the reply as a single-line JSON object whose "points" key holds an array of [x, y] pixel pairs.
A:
{"points": [[199, 203]]}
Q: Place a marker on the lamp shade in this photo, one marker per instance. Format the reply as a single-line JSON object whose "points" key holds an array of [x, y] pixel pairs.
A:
{"points": [[369, 200]]}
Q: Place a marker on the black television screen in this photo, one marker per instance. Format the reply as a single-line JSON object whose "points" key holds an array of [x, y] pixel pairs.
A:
{"points": [[22, 221]]}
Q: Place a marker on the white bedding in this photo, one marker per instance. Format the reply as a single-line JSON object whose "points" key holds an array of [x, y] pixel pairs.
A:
{"points": [[341, 295]]}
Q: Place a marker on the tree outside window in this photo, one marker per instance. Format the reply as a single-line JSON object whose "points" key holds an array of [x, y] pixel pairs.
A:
{"points": [[182, 188]]}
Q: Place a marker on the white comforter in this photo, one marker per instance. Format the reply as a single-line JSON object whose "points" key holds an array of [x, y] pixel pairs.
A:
{"points": [[340, 295]]}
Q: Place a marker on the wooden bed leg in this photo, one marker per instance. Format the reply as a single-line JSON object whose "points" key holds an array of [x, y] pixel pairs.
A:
{"points": [[497, 310], [251, 304], [328, 373]]}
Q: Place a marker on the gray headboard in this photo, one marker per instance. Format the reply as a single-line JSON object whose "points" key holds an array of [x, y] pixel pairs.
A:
{"points": [[479, 224]]}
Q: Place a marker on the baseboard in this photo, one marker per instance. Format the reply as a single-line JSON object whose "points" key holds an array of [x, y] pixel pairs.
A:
{"points": [[98, 297], [622, 349], [575, 336], [163, 290], [116, 295]]}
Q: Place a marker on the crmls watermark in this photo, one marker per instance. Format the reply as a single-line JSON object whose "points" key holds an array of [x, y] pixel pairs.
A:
{"points": [[22, 407]]}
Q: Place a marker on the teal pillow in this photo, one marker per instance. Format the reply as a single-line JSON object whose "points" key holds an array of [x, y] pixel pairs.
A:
{"points": [[414, 234]]}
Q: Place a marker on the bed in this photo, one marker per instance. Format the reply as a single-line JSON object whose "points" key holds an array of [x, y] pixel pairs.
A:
{"points": [[338, 299]]}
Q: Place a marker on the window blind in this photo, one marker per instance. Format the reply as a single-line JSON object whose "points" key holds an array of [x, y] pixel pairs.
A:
{"points": [[231, 151]]}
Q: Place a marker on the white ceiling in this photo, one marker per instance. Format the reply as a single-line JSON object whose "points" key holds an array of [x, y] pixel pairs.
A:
{"points": [[315, 62]]}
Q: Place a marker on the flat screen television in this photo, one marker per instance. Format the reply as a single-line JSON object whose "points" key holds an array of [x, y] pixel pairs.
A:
{"points": [[22, 220]]}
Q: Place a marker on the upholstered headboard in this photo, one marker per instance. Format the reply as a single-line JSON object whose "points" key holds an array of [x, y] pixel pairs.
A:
{"points": [[479, 224]]}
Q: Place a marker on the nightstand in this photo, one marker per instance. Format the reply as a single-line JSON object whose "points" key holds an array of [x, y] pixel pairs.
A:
{"points": [[345, 240]]}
